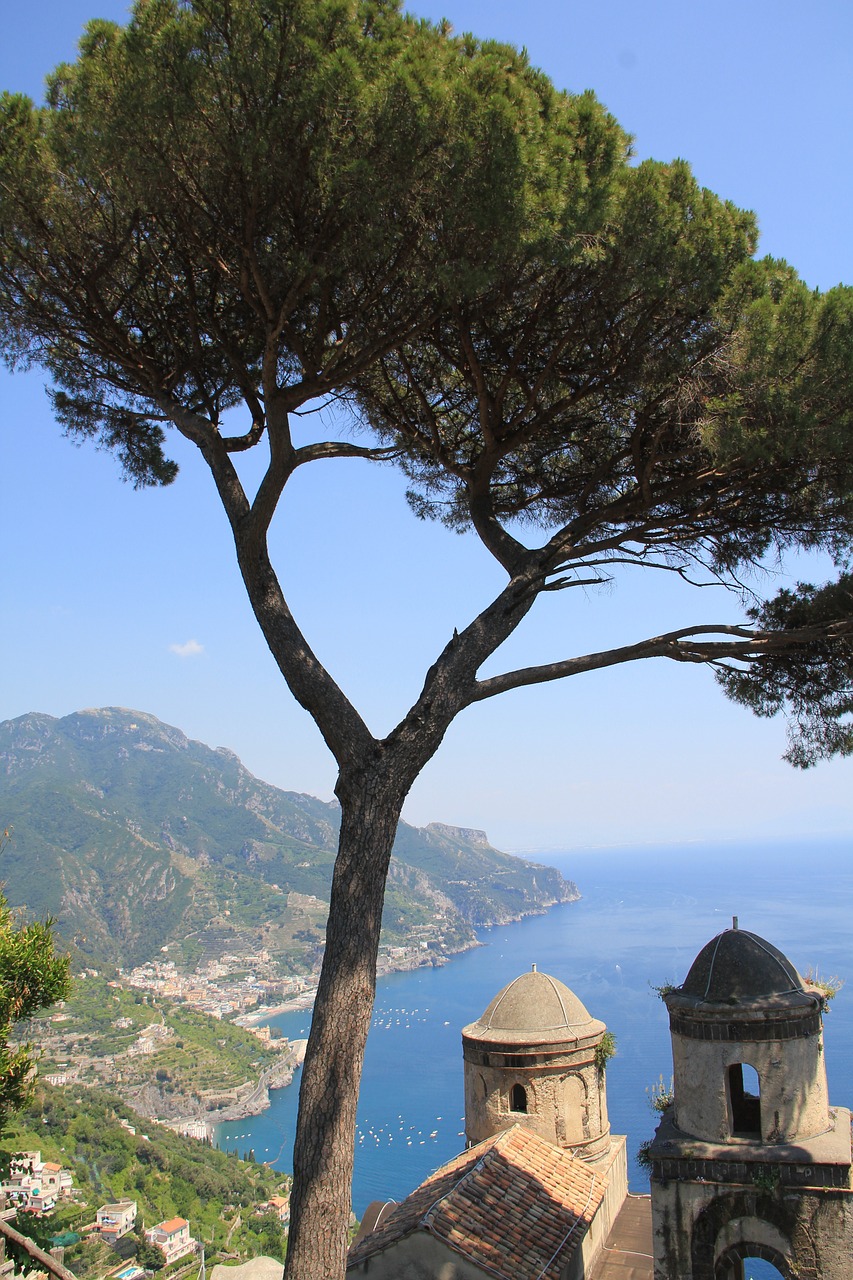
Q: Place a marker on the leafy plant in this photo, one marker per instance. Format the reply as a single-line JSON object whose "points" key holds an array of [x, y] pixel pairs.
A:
{"points": [[32, 977], [151, 1256], [605, 1050], [664, 988], [766, 1180]]}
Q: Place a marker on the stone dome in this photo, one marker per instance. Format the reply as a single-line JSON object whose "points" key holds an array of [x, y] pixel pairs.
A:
{"points": [[533, 1008], [740, 966], [743, 1004], [533, 1058]]}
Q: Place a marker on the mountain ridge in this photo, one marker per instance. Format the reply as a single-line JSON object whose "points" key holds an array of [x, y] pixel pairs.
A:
{"points": [[137, 837]]}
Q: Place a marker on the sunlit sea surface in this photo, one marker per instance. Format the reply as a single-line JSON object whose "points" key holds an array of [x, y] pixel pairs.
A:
{"points": [[644, 914]]}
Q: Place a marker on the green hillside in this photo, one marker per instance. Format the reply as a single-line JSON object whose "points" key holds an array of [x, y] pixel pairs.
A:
{"points": [[195, 1057], [163, 1172], [134, 838]]}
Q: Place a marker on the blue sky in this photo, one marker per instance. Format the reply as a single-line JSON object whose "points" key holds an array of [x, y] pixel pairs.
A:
{"points": [[112, 597]]}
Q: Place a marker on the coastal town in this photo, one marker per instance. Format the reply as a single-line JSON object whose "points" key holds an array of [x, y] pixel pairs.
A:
{"points": [[240, 989], [223, 988], [239, 982]]}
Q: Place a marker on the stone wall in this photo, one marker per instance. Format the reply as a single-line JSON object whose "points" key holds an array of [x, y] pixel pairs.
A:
{"points": [[566, 1097], [700, 1230]]}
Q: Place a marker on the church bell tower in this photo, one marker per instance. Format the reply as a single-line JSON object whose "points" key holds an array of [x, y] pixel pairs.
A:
{"points": [[750, 1160]]}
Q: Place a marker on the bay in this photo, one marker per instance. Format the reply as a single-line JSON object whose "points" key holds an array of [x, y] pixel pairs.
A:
{"points": [[644, 914]]}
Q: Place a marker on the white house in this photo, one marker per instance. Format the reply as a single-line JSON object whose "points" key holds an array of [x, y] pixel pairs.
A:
{"points": [[115, 1220], [35, 1185], [173, 1237]]}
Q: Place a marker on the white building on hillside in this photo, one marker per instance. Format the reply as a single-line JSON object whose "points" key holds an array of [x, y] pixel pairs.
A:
{"points": [[115, 1220], [173, 1237]]}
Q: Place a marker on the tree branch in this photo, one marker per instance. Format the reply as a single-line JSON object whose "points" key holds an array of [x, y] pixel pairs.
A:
{"points": [[342, 728], [38, 1255], [679, 646], [237, 444], [344, 449]]}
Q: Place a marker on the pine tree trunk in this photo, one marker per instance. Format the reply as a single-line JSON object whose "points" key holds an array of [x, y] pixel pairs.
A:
{"points": [[331, 1076]]}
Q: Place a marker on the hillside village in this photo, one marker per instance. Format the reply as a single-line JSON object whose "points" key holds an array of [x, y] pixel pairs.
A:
{"points": [[147, 1034], [173, 1197], [35, 1188], [128, 1032], [209, 989], [85, 1042], [236, 983]]}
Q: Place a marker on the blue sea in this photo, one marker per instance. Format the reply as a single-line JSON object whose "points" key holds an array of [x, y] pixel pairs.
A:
{"points": [[644, 914]]}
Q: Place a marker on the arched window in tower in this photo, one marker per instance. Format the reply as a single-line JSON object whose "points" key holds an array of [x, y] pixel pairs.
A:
{"points": [[518, 1098], [753, 1261], [744, 1101], [759, 1269]]}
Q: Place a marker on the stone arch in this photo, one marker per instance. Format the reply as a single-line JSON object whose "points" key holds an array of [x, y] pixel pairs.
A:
{"points": [[729, 1265], [736, 1226], [751, 1237]]}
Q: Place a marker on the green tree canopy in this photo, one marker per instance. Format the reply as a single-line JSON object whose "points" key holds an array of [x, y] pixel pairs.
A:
{"points": [[271, 228], [32, 977], [231, 210], [812, 681], [150, 1255]]}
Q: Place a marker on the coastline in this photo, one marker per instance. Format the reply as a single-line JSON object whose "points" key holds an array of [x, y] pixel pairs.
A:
{"points": [[258, 1101], [250, 1099], [641, 920], [253, 1097], [386, 965]]}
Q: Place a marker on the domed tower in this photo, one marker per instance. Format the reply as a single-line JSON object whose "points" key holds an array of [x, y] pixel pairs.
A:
{"points": [[744, 1016], [536, 1057], [749, 1160]]}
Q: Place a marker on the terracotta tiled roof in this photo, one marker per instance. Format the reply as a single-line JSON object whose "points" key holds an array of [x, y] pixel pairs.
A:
{"points": [[514, 1205], [172, 1225]]}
